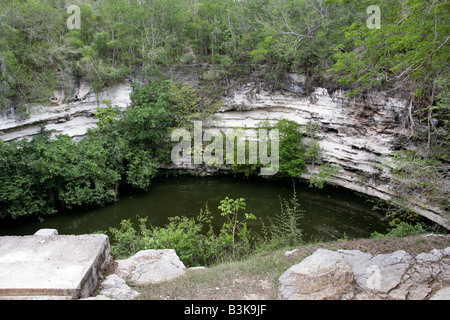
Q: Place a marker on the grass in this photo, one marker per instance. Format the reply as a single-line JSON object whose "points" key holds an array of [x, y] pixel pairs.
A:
{"points": [[253, 278], [256, 278]]}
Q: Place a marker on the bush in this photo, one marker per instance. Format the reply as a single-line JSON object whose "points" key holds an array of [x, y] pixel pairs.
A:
{"points": [[403, 229], [292, 150], [127, 239], [197, 243], [194, 239], [284, 228], [326, 171], [184, 236]]}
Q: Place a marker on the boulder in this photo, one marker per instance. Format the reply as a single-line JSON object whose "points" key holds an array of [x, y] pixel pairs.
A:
{"points": [[387, 270], [429, 272], [351, 274], [443, 294], [322, 276], [150, 266]]}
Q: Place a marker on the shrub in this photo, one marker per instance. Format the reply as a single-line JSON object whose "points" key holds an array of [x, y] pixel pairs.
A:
{"points": [[193, 239], [197, 243], [292, 150], [284, 228], [127, 239], [402, 229]]}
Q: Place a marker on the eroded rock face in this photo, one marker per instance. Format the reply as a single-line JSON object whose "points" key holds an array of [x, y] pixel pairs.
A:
{"points": [[72, 116], [354, 135], [351, 274], [151, 266]]}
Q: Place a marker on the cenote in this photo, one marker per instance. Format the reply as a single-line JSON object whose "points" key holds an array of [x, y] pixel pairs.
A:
{"points": [[328, 214]]}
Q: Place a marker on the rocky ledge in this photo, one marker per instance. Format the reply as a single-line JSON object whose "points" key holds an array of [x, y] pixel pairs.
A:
{"points": [[324, 275], [355, 275]]}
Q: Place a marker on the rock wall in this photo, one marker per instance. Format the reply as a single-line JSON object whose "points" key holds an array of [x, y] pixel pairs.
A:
{"points": [[72, 115], [352, 138], [354, 135]]}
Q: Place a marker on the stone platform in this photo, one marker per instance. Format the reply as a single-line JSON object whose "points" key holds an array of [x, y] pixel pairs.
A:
{"points": [[51, 266]]}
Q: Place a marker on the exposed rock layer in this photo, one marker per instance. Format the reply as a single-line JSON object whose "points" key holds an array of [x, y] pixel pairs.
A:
{"points": [[354, 136], [65, 115]]}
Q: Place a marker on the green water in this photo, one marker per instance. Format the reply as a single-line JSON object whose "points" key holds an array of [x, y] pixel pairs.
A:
{"points": [[329, 214]]}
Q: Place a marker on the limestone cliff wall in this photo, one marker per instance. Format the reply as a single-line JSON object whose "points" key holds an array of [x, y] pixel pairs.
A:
{"points": [[354, 135], [352, 138], [72, 115]]}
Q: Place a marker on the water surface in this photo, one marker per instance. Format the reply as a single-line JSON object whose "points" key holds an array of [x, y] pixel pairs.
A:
{"points": [[329, 214]]}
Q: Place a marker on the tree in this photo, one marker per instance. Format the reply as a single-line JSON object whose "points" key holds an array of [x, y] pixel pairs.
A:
{"points": [[417, 181], [407, 55], [292, 150], [230, 208], [148, 119], [407, 52]]}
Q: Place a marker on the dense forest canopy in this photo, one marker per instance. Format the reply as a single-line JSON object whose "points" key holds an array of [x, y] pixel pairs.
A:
{"points": [[330, 39]]}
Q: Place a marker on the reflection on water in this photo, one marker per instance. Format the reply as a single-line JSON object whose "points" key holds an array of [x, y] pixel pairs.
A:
{"points": [[329, 214]]}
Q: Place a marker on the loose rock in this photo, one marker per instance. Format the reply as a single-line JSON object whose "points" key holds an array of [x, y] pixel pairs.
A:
{"points": [[115, 287], [151, 266]]}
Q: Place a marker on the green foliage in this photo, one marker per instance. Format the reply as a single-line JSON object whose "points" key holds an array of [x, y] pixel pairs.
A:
{"points": [[106, 116], [246, 168], [403, 229], [184, 105], [119, 37], [141, 169], [148, 119], [197, 243], [38, 53], [417, 179], [409, 51], [183, 235], [194, 239], [284, 229], [48, 173], [39, 175], [236, 226], [292, 150], [127, 238], [408, 54], [326, 171], [276, 37], [294, 153]]}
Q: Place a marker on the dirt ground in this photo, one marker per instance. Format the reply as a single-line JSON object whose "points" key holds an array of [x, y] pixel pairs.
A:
{"points": [[257, 277]]}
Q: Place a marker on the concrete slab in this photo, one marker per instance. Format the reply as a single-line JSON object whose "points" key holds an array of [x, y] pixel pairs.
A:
{"points": [[52, 265]]}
